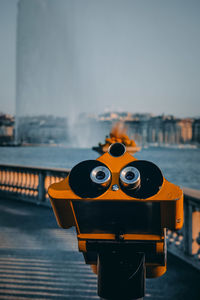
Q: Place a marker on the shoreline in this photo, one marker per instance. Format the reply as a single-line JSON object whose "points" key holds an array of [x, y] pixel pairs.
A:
{"points": [[146, 146]]}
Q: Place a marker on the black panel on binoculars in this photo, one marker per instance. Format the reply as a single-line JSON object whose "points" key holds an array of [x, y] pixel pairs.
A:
{"points": [[151, 180], [117, 216], [81, 183]]}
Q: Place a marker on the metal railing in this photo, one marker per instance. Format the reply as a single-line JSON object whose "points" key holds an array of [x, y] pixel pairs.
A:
{"points": [[185, 243], [31, 184], [28, 183]]}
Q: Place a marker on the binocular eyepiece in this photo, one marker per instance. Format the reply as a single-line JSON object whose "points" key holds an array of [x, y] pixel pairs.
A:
{"points": [[101, 175], [130, 178]]}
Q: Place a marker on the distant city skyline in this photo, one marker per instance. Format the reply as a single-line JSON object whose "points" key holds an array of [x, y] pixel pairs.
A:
{"points": [[90, 129], [149, 61]]}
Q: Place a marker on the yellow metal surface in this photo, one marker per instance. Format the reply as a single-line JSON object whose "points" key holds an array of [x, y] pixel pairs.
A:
{"points": [[154, 271], [63, 213], [82, 246], [160, 247], [94, 268], [109, 236], [75, 219]]}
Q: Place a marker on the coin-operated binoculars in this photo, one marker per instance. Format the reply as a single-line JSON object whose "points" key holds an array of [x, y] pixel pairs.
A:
{"points": [[121, 208]]}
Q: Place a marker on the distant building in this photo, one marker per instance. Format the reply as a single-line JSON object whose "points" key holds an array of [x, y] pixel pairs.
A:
{"points": [[196, 131], [185, 126], [149, 129], [42, 130], [6, 129]]}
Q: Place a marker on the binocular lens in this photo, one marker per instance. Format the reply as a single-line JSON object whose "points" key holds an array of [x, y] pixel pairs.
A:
{"points": [[100, 175], [130, 177]]}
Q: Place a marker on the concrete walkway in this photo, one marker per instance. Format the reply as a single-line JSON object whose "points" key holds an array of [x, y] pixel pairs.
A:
{"points": [[38, 260]]}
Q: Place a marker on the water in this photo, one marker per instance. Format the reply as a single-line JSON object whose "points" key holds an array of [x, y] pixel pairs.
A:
{"points": [[180, 166]]}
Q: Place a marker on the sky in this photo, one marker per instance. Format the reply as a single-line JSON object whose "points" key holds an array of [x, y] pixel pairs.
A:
{"points": [[137, 56], [8, 13]]}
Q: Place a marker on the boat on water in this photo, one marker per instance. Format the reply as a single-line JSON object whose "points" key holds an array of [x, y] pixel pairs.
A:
{"points": [[118, 134]]}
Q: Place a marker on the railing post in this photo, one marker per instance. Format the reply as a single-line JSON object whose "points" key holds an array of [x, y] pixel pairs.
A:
{"points": [[195, 231], [188, 228], [41, 187]]}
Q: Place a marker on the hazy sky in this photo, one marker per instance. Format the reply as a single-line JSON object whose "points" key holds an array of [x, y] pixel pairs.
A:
{"points": [[7, 55], [144, 56]]}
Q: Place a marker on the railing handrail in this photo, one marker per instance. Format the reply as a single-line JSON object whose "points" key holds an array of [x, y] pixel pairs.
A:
{"points": [[21, 167], [192, 195]]}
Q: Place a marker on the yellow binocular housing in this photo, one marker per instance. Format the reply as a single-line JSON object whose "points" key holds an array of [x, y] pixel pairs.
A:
{"points": [[119, 200]]}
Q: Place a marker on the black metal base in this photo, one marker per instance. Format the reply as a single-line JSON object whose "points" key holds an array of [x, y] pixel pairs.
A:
{"points": [[121, 277]]}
